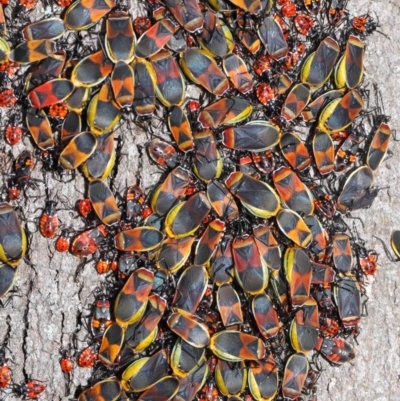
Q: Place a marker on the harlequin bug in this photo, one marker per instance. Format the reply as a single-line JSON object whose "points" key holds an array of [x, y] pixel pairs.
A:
{"points": [[59, 110], [31, 389], [13, 132], [8, 98]]}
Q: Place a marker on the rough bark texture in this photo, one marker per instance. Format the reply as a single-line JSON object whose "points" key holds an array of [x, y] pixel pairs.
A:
{"points": [[42, 315]]}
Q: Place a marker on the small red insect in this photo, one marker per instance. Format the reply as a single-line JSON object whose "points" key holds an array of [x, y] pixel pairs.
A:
{"points": [[10, 67], [368, 262], [7, 98], [141, 25], [261, 65], [87, 358], [85, 207], [28, 4], [146, 212], [31, 390], [265, 93], [303, 23], [289, 10], [58, 110], [64, 3], [13, 134], [66, 363], [63, 241], [49, 223], [5, 371], [103, 266], [14, 193]]}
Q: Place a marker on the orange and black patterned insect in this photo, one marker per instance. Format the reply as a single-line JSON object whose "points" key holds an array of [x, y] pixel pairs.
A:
{"points": [[32, 51], [103, 265], [295, 102], [141, 25], [294, 151], [367, 260], [174, 253], [289, 10], [295, 374], [59, 110], [40, 129], [303, 23], [138, 239], [66, 362], [85, 207], [187, 13], [323, 202], [48, 222], [31, 390], [8, 98], [64, 3], [179, 126], [87, 358], [63, 242], [14, 192], [5, 371], [135, 200], [28, 4], [101, 318], [23, 167], [271, 35], [324, 152], [122, 83], [379, 145], [336, 11], [111, 344], [89, 241], [335, 350], [109, 389], [144, 100], [13, 133]]}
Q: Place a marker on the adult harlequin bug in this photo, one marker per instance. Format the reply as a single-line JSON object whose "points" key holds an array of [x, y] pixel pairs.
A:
{"points": [[235, 346], [170, 84], [208, 242], [32, 51], [174, 253], [166, 388], [320, 242], [130, 303], [40, 129], [179, 126], [294, 227], [379, 145], [254, 136], [323, 151], [294, 151], [51, 28], [190, 289], [187, 13], [222, 201], [229, 306], [111, 344], [134, 377], [122, 83], [139, 239], [7, 98], [264, 379], [13, 242], [295, 374], [144, 100], [78, 98], [189, 329], [120, 38], [272, 37], [109, 389]]}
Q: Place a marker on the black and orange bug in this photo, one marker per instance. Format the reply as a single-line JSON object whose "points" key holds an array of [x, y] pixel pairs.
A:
{"points": [[155, 38], [83, 14], [262, 65], [9, 67], [24, 164], [324, 152], [120, 38], [14, 192], [350, 68], [303, 23], [63, 242], [251, 271], [364, 24], [379, 145], [32, 51], [322, 274], [170, 84], [87, 357], [179, 126], [229, 306], [189, 329], [59, 110], [222, 201], [293, 191], [141, 334], [190, 289], [66, 362], [13, 241], [340, 113], [111, 344], [256, 196], [347, 295], [225, 111], [144, 100], [166, 388], [103, 112], [185, 218], [342, 253], [295, 102], [294, 227], [49, 222], [122, 83], [298, 272], [295, 374], [207, 160], [101, 318], [63, 3], [135, 200], [40, 129], [8, 277], [336, 350], [336, 11], [268, 247], [109, 389], [103, 265], [141, 25], [88, 242], [289, 10], [320, 242], [323, 202], [187, 13], [162, 153], [8, 98], [230, 378], [78, 150], [222, 265], [255, 136], [357, 192], [139, 239], [131, 301], [319, 65], [104, 203], [313, 6], [169, 192], [328, 327], [272, 37], [13, 132], [208, 242], [294, 151], [84, 207], [367, 260], [303, 330], [174, 253], [203, 70], [235, 346], [134, 377], [77, 100], [91, 70], [31, 389], [50, 28], [266, 316], [265, 93], [263, 379], [5, 371], [185, 357], [71, 127]]}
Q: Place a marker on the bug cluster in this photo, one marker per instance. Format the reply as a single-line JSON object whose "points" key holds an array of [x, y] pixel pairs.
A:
{"points": [[238, 270]]}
